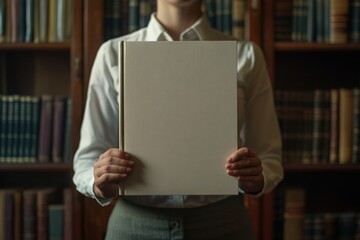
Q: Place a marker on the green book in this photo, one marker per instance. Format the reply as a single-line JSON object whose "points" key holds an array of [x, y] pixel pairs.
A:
{"points": [[56, 221]]}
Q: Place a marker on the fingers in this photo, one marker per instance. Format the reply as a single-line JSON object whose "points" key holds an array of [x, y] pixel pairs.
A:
{"points": [[112, 166], [244, 163]]}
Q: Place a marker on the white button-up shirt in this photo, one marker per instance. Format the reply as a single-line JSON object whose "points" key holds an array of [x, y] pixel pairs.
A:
{"points": [[257, 119]]}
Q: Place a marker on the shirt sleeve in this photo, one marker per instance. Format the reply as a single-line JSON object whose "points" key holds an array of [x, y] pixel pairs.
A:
{"points": [[260, 131], [99, 130]]}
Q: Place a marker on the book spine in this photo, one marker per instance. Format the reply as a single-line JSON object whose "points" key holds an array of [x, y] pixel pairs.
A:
{"points": [[319, 20], [68, 214], [58, 129], [52, 21], [34, 129], [56, 221], [67, 138], [283, 20], [29, 215], [15, 129], [3, 127], [294, 214], [144, 13], [238, 19], [43, 20], [21, 27], [308, 125], [36, 25], [22, 129], [60, 20], [133, 15], [345, 125], [29, 21], [45, 128], [339, 15], [333, 156], [3, 20], [356, 127], [227, 17], [210, 10], [355, 21], [10, 128], [219, 11]]}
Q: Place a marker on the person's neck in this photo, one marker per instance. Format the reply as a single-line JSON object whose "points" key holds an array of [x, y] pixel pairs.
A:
{"points": [[176, 20]]}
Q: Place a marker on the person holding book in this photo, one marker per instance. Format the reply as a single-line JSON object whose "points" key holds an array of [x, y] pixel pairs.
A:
{"points": [[100, 166]]}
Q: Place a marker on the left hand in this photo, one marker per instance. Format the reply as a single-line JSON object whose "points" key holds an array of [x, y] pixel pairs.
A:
{"points": [[245, 165]]}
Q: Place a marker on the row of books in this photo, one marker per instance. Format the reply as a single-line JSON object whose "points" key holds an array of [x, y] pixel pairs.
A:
{"points": [[41, 214], [35, 129], [319, 126], [227, 16], [122, 17], [293, 222], [333, 21], [35, 20]]}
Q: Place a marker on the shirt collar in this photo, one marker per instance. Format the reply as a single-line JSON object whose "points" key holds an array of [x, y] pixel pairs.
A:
{"points": [[198, 31]]}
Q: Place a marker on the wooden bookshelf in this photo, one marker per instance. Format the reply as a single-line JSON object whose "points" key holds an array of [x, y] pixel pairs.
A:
{"points": [[34, 69], [309, 66], [35, 46]]}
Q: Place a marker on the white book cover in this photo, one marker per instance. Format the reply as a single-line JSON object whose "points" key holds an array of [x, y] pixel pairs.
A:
{"points": [[178, 116]]}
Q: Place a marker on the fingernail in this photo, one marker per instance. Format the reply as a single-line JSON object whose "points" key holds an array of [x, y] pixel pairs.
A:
{"points": [[131, 163]]}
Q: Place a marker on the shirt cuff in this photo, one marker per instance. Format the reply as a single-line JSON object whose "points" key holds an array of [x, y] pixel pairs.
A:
{"points": [[255, 194], [102, 202]]}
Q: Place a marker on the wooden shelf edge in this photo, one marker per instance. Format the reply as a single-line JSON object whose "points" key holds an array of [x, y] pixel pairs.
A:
{"points": [[63, 46], [321, 167], [303, 46], [39, 167]]}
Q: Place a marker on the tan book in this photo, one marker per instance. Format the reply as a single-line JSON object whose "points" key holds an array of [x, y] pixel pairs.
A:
{"points": [[238, 19], [52, 21], [179, 116], [339, 21], [294, 213], [345, 125], [334, 129]]}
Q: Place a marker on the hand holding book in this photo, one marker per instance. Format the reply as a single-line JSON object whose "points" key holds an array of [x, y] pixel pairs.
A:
{"points": [[246, 166], [112, 167]]}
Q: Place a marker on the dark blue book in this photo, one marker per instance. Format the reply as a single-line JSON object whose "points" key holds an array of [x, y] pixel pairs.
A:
{"points": [[22, 129], [219, 12], [356, 126], [210, 10], [28, 115], [144, 13], [3, 127], [355, 21], [21, 20], [133, 15], [15, 129], [9, 129], [34, 129], [346, 225], [3, 20], [227, 17]]}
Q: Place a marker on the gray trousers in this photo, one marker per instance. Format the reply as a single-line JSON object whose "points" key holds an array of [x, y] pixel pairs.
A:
{"points": [[226, 220]]}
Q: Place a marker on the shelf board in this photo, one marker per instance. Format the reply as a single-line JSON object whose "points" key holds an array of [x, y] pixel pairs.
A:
{"points": [[34, 46], [304, 46], [38, 167], [320, 167]]}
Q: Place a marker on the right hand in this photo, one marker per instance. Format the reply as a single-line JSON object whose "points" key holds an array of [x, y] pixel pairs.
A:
{"points": [[110, 169]]}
